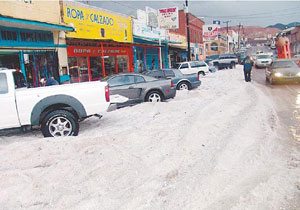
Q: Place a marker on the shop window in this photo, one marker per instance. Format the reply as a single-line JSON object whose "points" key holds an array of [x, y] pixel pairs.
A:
{"points": [[28, 36], [73, 69], [7, 35], [43, 37], [110, 65], [214, 46], [3, 84], [83, 69], [122, 63], [96, 68]]}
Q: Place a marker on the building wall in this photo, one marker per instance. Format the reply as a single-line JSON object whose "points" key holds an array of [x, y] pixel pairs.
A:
{"points": [[221, 44], [195, 27], [43, 11]]}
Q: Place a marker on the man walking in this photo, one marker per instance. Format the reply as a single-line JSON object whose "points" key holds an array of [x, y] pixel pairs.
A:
{"points": [[248, 63]]}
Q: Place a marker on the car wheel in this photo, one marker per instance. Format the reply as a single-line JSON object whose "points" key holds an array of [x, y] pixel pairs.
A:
{"points": [[201, 73], [60, 123], [154, 96], [183, 86], [232, 65]]}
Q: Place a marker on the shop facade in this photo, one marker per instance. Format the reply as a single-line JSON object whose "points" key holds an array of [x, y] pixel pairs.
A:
{"points": [[100, 46], [30, 46], [150, 45], [177, 48]]}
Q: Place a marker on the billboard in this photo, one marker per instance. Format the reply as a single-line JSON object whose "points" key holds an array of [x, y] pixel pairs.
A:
{"points": [[93, 23], [140, 29], [168, 18], [152, 20], [210, 32]]}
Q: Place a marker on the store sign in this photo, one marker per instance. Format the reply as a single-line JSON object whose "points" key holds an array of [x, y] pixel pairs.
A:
{"points": [[94, 51], [210, 32], [91, 23], [152, 19], [168, 18], [140, 29], [180, 40]]}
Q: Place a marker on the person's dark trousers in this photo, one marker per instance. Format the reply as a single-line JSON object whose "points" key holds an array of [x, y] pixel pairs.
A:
{"points": [[247, 76]]}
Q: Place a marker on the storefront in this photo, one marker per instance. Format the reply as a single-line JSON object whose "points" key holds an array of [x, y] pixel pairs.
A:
{"points": [[100, 46], [90, 63], [32, 52], [30, 40], [178, 51]]}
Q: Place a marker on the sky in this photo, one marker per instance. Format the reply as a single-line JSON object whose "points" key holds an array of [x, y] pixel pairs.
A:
{"points": [[248, 13]]}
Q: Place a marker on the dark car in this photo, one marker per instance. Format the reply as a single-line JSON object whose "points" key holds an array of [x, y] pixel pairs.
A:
{"points": [[139, 88], [211, 58], [181, 81], [283, 70]]}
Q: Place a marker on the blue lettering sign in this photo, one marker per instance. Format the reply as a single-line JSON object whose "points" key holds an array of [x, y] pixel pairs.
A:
{"points": [[75, 14]]}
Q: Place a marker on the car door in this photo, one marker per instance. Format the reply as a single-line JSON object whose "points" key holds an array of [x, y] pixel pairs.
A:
{"points": [[8, 112], [123, 85], [185, 68]]}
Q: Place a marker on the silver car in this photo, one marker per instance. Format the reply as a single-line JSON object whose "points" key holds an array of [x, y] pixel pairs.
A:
{"points": [[139, 88], [283, 70]]}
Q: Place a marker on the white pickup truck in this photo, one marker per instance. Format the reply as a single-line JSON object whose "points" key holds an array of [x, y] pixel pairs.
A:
{"points": [[56, 109]]}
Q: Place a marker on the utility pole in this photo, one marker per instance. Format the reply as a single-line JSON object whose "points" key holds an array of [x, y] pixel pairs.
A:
{"points": [[228, 21], [239, 36], [188, 30]]}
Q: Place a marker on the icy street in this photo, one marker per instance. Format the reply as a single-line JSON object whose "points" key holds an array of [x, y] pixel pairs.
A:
{"points": [[219, 147]]}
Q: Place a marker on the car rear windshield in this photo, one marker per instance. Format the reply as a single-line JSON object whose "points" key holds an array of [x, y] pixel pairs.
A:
{"points": [[284, 64], [263, 56]]}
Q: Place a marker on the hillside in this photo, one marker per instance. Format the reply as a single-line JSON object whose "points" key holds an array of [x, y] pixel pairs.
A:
{"points": [[283, 26], [257, 31]]}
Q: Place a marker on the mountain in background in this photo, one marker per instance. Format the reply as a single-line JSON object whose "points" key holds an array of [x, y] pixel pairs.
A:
{"points": [[253, 32], [282, 26]]}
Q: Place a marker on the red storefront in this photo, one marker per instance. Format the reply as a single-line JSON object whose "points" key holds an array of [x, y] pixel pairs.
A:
{"points": [[93, 60]]}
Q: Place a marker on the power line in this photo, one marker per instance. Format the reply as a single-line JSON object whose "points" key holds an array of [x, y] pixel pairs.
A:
{"points": [[253, 15]]}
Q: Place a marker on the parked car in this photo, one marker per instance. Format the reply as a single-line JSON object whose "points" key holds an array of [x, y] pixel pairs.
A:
{"points": [[180, 81], [138, 88], [296, 56], [283, 70], [193, 67], [211, 58], [226, 61], [57, 109], [263, 61]]}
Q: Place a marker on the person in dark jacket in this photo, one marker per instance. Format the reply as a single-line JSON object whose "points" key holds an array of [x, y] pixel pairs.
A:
{"points": [[48, 81], [248, 63]]}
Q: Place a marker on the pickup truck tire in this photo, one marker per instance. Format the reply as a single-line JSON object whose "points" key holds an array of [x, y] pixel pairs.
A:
{"points": [[60, 123]]}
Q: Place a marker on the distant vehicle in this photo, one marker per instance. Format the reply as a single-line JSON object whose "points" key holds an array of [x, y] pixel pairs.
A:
{"points": [[248, 46], [263, 61], [259, 52], [283, 70], [296, 56], [193, 67], [57, 109], [138, 88], [273, 46], [226, 61], [211, 58], [180, 81]]}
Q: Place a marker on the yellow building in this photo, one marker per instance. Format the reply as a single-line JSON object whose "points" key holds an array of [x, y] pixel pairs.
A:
{"points": [[215, 47], [32, 39]]}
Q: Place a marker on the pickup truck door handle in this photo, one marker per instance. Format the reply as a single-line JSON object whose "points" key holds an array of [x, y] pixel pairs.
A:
{"points": [[130, 87]]}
